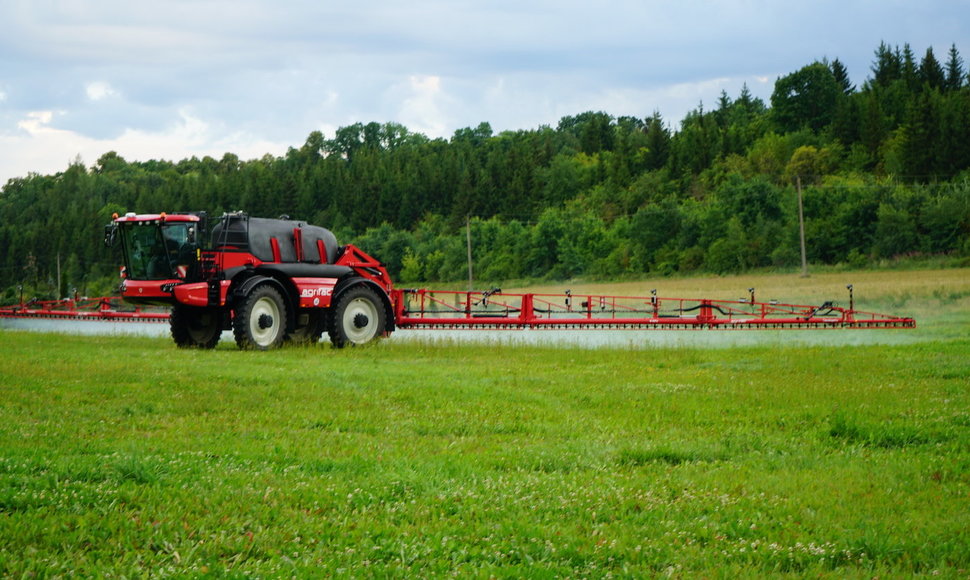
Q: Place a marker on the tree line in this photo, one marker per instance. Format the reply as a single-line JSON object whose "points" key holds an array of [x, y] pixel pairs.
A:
{"points": [[883, 169]]}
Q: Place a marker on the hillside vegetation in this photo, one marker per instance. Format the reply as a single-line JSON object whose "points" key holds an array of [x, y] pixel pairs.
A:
{"points": [[882, 167]]}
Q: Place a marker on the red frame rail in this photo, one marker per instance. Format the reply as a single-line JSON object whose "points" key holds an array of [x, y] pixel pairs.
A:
{"points": [[494, 309], [97, 309]]}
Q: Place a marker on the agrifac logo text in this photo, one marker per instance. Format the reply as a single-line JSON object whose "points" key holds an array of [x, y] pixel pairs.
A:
{"points": [[315, 292]]}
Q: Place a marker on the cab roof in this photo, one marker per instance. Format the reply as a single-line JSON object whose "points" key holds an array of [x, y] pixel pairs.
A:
{"points": [[156, 218]]}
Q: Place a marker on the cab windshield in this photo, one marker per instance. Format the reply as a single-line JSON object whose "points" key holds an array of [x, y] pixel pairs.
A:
{"points": [[158, 251]]}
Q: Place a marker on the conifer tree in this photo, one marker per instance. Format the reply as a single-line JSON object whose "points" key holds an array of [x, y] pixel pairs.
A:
{"points": [[910, 72], [930, 72], [658, 142], [887, 66], [842, 77], [921, 137], [954, 70]]}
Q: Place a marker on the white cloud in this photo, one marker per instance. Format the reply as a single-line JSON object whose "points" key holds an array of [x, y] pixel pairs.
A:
{"points": [[99, 90], [36, 123], [422, 104], [41, 148]]}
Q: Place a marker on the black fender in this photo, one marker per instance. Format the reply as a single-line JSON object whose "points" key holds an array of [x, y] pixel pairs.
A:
{"points": [[353, 282], [243, 287]]}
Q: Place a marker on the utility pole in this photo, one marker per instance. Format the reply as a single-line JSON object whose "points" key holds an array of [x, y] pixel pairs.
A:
{"points": [[468, 237], [801, 225]]}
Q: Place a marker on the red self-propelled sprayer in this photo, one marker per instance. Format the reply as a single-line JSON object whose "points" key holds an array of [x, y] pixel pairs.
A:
{"points": [[270, 281]]}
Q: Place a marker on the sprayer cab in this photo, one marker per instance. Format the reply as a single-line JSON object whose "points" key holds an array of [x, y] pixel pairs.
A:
{"points": [[159, 250]]}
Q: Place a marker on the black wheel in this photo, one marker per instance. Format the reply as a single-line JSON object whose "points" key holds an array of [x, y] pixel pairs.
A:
{"points": [[260, 320], [309, 326], [195, 327], [357, 318]]}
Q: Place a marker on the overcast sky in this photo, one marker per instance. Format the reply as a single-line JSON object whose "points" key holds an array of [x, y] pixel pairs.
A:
{"points": [[169, 79]]}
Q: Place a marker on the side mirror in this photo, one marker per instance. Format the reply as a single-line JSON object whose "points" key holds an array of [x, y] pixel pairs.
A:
{"points": [[110, 235]]}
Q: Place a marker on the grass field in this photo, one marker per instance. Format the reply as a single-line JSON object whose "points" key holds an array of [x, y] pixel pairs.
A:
{"points": [[124, 456]]}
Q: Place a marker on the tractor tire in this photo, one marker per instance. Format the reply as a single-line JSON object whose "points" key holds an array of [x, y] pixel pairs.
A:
{"points": [[358, 318], [309, 326], [260, 320], [195, 327]]}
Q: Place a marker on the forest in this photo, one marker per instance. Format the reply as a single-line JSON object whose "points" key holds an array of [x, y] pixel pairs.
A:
{"points": [[883, 169]]}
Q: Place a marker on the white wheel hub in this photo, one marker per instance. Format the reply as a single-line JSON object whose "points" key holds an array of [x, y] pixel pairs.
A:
{"points": [[264, 321], [360, 320]]}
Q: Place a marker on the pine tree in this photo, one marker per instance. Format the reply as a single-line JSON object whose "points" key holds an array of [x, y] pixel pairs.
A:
{"points": [[954, 70], [842, 77], [921, 137], [723, 109], [887, 67], [658, 143], [910, 72], [954, 149], [872, 124], [745, 100], [930, 71]]}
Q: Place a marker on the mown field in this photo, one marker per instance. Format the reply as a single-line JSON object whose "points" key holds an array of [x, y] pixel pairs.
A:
{"points": [[124, 456]]}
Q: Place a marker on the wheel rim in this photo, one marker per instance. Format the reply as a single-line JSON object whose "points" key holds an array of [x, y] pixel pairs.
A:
{"points": [[360, 320], [264, 321]]}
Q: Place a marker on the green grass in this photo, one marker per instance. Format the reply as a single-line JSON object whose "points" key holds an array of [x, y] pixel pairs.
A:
{"points": [[128, 457]]}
